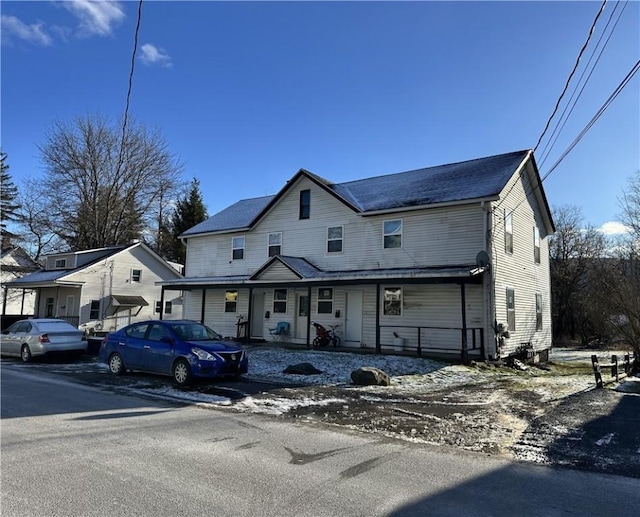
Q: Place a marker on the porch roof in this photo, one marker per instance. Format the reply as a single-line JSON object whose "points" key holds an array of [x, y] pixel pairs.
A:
{"points": [[43, 278], [314, 276]]}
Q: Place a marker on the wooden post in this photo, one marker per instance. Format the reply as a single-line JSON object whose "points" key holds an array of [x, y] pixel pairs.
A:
{"points": [[377, 318], [596, 371], [465, 354], [614, 367], [202, 303]]}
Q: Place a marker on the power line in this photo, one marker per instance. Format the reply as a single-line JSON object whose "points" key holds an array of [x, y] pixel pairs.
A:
{"points": [[575, 66], [130, 87], [551, 143], [616, 92]]}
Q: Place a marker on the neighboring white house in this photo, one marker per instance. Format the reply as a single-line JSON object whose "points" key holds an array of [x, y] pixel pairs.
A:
{"points": [[438, 260], [15, 262], [105, 288]]}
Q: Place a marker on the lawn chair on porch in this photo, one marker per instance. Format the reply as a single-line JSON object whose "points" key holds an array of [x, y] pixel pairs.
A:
{"points": [[280, 332]]}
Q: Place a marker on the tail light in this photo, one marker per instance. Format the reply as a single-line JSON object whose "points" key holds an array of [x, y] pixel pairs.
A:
{"points": [[43, 339]]}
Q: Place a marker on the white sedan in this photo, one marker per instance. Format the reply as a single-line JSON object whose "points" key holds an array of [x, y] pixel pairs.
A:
{"points": [[37, 337]]}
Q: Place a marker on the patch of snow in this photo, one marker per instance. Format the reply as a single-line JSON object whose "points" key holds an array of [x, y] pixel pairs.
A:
{"points": [[606, 439]]}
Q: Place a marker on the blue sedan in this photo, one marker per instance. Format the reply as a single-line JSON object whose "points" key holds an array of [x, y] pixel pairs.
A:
{"points": [[182, 349]]}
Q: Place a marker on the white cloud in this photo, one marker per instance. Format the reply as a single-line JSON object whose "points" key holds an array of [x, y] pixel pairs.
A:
{"points": [[96, 18], [12, 27], [613, 228], [152, 55]]}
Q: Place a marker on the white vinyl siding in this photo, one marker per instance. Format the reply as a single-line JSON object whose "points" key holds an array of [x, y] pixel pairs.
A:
{"points": [[430, 237]]}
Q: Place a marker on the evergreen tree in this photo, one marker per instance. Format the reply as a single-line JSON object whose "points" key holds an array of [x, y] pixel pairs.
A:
{"points": [[189, 211], [8, 194]]}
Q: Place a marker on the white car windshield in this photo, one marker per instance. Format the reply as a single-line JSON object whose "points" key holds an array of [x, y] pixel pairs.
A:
{"points": [[195, 332]]}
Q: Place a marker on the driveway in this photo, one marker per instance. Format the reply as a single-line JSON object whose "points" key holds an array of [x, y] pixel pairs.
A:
{"points": [[550, 414]]}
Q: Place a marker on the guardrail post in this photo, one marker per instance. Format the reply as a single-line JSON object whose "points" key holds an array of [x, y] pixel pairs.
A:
{"points": [[596, 371]]}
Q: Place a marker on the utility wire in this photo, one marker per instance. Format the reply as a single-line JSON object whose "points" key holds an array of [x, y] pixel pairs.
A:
{"points": [[616, 92], [130, 87], [589, 125], [558, 129], [566, 86]]}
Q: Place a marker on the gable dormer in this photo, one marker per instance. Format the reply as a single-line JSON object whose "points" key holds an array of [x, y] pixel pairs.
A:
{"points": [[61, 261]]}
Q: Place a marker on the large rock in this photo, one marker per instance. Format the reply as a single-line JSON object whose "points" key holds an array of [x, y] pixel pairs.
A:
{"points": [[369, 376], [302, 369]]}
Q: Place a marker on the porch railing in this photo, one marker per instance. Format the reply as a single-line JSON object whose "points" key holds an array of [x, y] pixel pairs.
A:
{"points": [[425, 339]]}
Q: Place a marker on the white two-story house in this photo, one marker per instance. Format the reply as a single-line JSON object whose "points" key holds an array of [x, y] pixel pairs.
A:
{"points": [[448, 260], [104, 289]]}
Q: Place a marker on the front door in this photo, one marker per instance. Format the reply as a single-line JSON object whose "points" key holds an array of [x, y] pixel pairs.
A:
{"points": [[353, 317], [70, 307], [257, 315], [302, 315]]}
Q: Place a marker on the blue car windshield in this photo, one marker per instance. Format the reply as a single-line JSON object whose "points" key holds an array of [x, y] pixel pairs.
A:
{"points": [[195, 332]]}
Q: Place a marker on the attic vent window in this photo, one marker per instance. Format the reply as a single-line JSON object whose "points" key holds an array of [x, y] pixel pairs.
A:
{"points": [[61, 263], [305, 204]]}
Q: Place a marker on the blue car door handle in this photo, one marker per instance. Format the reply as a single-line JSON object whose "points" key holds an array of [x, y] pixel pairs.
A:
{"points": [[147, 346], [122, 344]]}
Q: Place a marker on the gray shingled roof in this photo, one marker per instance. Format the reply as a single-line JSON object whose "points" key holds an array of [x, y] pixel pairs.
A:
{"points": [[472, 179], [238, 215]]}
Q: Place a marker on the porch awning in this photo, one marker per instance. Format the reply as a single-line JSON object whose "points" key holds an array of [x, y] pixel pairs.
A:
{"points": [[119, 300]]}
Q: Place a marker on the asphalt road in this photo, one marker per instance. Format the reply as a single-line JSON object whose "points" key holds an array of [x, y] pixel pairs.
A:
{"points": [[74, 450]]}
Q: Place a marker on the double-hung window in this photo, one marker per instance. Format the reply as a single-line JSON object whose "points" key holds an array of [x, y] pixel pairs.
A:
{"points": [[392, 231], [230, 301], [392, 300], [508, 231], [237, 248], [536, 245], [168, 306], [325, 300], [538, 311], [511, 308], [61, 263], [280, 301], [94, 312], [136, 275], [275, 244], [334, 239]]}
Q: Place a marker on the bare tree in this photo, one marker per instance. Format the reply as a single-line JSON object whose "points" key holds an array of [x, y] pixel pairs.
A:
{"points": [[619, 276], [574, 251], [37, 236], [103, 185]]}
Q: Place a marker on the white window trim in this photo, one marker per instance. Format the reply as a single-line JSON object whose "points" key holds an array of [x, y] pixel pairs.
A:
{"points": [[243, 248], [384, 288], [325, 300], [269, 243], [139, 279], [536, 245], [341, 239], [285, 301], [401, 233], [60, 263], [508, 230], [506, 303]]}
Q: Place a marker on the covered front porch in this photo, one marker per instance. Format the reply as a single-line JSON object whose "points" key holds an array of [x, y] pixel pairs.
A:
{"points": [[417, 311]]}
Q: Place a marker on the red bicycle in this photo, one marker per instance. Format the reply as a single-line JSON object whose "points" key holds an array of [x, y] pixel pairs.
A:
{"points": [[324, 336]]}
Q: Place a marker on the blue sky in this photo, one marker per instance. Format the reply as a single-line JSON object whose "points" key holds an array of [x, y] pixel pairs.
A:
{"points": [[246, 93]]}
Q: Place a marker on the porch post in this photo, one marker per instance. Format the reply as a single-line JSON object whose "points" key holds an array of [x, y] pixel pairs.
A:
{"points": [[249, 312], [308, 315], [22, 303], [161, 302], [378, 348], [204, 298], [4, 299], [465, 356]]}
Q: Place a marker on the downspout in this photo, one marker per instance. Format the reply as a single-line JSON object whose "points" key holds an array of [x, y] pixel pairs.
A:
{"points": [[161, 302], [490, 284], [204, 298]]}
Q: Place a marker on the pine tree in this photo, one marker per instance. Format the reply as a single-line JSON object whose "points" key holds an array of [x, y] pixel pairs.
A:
{"points": [[189, 211], [8, 194]]}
